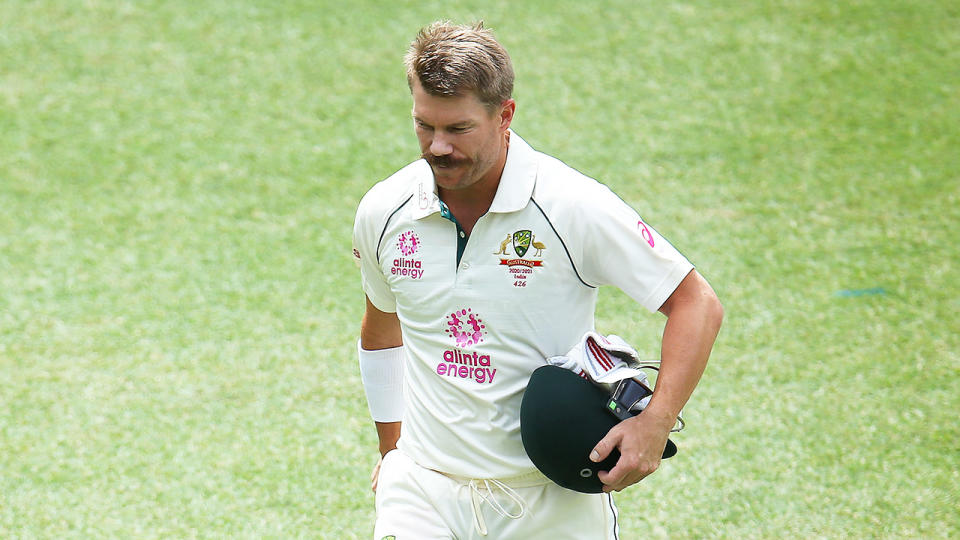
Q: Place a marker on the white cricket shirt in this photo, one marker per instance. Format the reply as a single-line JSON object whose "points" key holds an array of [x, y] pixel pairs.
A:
{"points": [[525, 290]]}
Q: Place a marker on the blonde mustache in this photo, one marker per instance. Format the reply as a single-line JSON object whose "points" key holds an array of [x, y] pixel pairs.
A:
{"points": [[444, 161]]}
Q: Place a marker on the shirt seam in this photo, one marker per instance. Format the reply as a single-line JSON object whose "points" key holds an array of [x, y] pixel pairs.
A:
{"points": [[562, 243], [387, 224]]}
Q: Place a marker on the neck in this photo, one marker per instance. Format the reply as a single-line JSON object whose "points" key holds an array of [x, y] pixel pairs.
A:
{"points": [[472, 202], [478, 196], [469, 204]]}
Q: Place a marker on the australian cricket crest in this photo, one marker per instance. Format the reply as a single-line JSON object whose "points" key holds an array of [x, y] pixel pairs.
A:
{"points": [[521, 242], [527, 255]]}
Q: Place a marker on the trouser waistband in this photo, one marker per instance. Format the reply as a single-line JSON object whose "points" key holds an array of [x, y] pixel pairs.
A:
{"points": [[530, 479]]}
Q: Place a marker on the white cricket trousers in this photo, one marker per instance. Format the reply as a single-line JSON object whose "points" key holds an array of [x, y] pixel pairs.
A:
{"points": [[414, 503]]}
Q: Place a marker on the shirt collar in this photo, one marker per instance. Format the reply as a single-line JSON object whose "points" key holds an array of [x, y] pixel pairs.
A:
{"points": [[518, 178], [425, 199], [513, 193]]}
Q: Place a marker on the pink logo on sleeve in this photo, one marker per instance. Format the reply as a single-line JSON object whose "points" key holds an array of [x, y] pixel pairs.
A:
{"points": [[465, 328], [645, 232]]}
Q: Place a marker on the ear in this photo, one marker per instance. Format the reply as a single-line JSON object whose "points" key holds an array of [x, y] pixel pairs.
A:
{"points": [[507, 109]]}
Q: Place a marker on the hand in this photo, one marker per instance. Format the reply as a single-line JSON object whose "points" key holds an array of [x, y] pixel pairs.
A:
{"points": [[641, 441], [375, 475]]}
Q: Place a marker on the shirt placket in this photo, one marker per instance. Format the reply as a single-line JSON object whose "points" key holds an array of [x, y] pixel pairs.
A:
{"points": [[461, 234]]}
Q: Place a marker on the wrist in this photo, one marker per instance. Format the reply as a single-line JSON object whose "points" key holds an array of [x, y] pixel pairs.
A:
{"points": [[660, 415], [384, 448], [388, 433]]}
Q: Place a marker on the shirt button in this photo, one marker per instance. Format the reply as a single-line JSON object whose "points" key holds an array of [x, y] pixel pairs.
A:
{"points": [[464, 266], [462, 234]]}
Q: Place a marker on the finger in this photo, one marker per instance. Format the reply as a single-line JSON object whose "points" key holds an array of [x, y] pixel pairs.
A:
{"points": [[627, 472], [375, 475], [615, 476], [605, 446]]}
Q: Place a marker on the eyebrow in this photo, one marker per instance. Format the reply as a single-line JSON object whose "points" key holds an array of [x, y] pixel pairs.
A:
{"points": [[458, 124]]}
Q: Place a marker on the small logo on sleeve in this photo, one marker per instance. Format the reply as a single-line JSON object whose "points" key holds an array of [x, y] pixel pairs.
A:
{"points": [[645, 232]]}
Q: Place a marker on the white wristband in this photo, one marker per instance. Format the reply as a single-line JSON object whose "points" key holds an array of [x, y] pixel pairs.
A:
{"points": [[382, 374]]}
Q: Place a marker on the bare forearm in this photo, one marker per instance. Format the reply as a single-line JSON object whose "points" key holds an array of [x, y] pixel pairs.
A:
{"points": [[389, 433], [379, 331], [693, 322]]}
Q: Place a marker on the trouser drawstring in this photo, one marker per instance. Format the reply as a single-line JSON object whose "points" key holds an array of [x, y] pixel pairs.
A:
{"points": [[481, 491]]}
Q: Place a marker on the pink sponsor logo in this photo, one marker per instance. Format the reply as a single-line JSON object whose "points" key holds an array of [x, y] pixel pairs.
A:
{"points": [[645, 232], [408, 243], [466, 365], [407, 267], [465, 328]]}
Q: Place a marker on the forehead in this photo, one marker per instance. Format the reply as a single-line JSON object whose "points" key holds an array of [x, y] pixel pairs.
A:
{"points": [[446, 110]]}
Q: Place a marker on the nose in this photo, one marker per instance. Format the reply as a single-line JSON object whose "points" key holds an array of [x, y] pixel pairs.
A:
{"points": [[440, 146]]}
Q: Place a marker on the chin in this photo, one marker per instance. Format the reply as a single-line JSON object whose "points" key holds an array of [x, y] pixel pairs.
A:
{"points": [[450, 181], [449, 185]]}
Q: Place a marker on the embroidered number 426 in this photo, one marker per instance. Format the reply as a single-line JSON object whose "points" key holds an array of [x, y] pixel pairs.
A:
{"points": [[519, 283]]}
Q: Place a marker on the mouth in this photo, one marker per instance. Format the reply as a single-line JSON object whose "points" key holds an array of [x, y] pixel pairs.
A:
{"points": [[444, 162]]}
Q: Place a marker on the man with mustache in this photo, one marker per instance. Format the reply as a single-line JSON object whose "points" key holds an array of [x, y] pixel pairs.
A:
{"points": [[453, 465]]}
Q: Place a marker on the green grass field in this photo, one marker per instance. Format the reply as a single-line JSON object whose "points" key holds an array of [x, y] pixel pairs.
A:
{"points": [[178, 304]]}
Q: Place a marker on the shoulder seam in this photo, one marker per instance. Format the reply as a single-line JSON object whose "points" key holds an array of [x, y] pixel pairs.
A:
{"points": [[387, 223], [562, 243]]}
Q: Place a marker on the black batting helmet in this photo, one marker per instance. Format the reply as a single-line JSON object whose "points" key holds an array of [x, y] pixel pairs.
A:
{"points": [[562, 418]]}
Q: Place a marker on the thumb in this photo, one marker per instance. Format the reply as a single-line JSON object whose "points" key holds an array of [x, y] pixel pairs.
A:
{"points": [[605, 446], [375, 475]]}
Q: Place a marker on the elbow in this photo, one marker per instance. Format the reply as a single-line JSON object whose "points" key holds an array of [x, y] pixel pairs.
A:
{"points": [[711, 307], [696, 299], [711, 310], [715, 313]]}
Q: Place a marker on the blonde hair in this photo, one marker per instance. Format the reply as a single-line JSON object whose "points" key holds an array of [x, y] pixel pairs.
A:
{"points": [[450, 60]]}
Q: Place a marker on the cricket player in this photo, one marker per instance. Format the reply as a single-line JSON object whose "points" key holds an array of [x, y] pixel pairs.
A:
{"points": [[479, 261]]}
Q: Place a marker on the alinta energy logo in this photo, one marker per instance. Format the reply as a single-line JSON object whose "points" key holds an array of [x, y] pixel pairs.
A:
{"points": [[520, 267], [407, 244], [467, 329]]}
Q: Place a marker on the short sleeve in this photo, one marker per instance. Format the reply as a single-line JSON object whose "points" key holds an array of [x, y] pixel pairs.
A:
{"points": [[367, 228], [621, 250]]}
